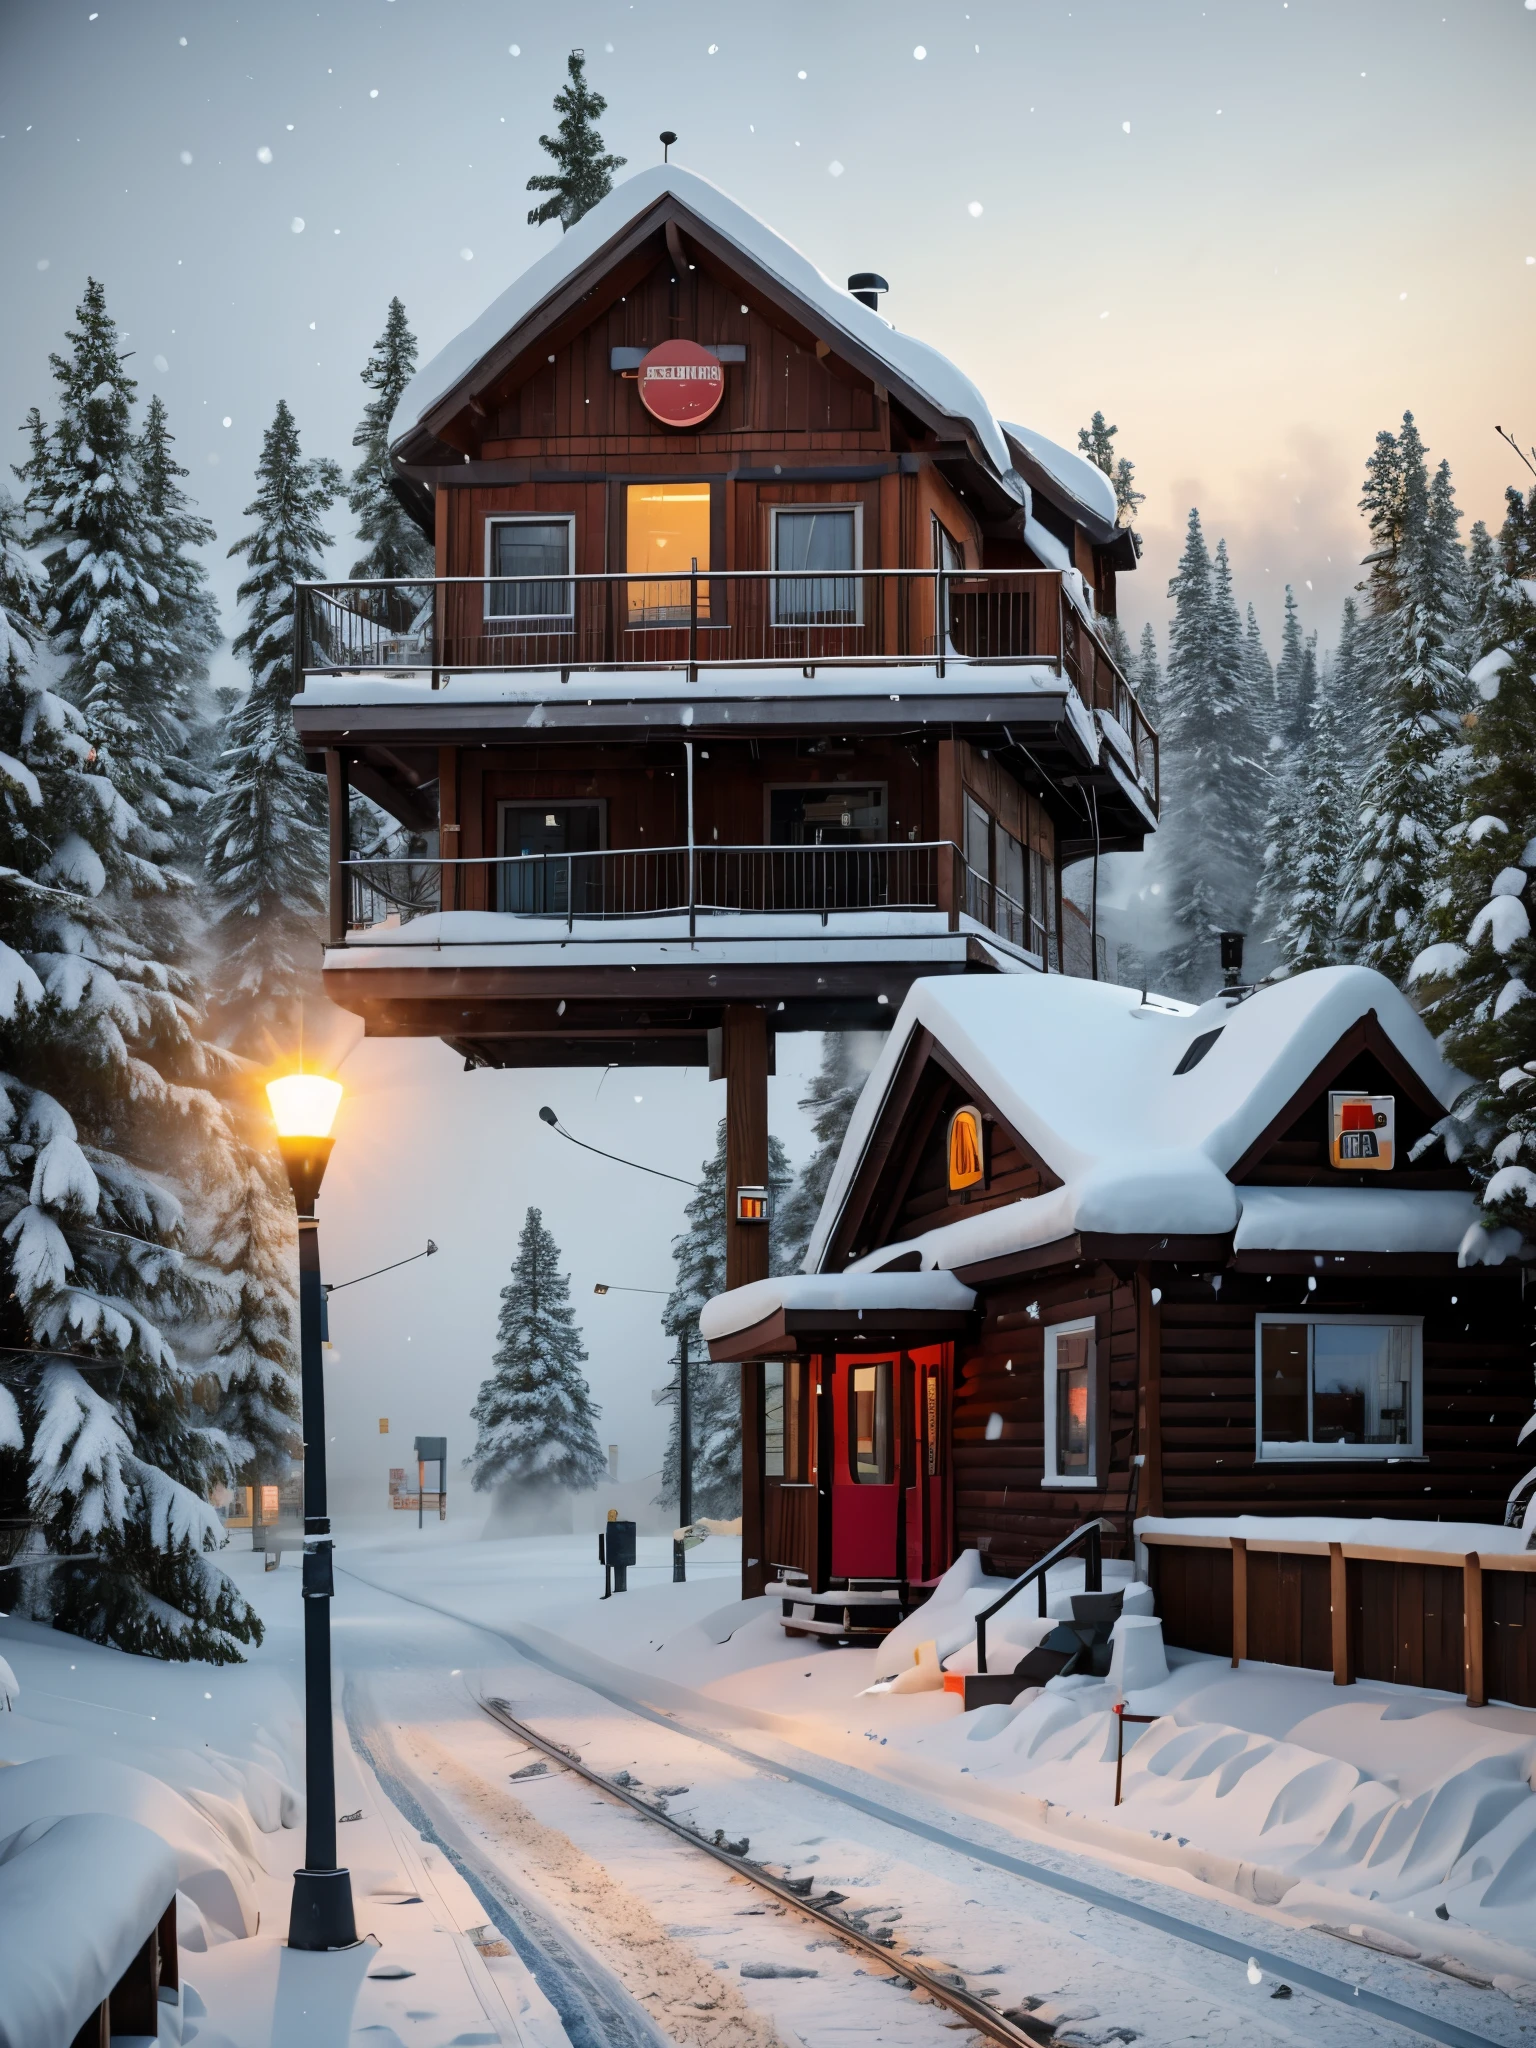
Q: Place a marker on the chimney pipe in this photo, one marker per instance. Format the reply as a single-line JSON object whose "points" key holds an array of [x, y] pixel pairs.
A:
{"points": [[1231, 958], [866, 286]]}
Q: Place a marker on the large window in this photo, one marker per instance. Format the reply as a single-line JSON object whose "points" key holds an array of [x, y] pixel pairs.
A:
{"points": [[1339, 1386], [870, 1441], [817, 550], [666, 529], [540, 549], [1071, 1420], [786, 1420]]}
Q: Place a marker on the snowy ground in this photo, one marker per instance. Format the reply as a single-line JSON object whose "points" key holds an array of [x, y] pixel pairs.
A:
{"points": [[986, 1844]]}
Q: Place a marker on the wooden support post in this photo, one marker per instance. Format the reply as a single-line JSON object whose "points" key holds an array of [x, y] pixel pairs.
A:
{"points": [[448, 825], [135, 1999], [170, 1962], [1338, 1614], [1239, 1600], [744, 1056], [1149, 1374], [1472, 1627], [338, 797], [951, 881]]}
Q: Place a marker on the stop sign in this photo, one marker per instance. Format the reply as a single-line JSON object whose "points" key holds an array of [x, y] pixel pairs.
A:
{"points": [[681, 383]]}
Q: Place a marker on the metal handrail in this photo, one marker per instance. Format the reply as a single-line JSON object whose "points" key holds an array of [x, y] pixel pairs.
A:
{"points": [[1089, 1536]]}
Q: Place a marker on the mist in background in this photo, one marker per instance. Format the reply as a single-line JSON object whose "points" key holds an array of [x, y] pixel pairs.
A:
{"points": [[1252, 234]]}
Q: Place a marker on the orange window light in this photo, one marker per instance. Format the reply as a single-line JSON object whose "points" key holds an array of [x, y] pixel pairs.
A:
{"points": [[966, 1157]]}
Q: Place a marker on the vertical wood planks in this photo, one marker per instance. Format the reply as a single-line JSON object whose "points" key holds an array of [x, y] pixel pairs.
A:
{"points": [[1239, 1600], [1338, 1612], [340, 810], [1472, 1627]]}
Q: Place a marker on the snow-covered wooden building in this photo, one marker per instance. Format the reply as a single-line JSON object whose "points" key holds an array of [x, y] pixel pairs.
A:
{"points": [[1093, 1254]]}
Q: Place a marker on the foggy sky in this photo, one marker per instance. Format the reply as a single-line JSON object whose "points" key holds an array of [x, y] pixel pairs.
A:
{"points": [[1318, 216]]}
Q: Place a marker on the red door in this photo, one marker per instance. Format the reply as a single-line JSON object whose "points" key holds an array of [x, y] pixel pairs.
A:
{"points": [[925, 1461], [866, 1466]]}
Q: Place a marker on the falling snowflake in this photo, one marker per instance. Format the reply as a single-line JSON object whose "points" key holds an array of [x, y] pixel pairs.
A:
{"points": [[919, 53], [1125, 127], [514, 49], [974, 209], [468, 255], [43, 262], [297, 224], [186, 156], [799, 74], [373, 92], [228, 421], [835, 168], [263, 155], [161, 363], [714, 50]]}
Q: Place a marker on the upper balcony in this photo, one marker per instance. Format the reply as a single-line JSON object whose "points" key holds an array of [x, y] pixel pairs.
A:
{"points": [[894, 634]]}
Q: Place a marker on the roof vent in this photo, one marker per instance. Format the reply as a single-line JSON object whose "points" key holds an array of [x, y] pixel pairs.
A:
{"points": [[866, 286]]}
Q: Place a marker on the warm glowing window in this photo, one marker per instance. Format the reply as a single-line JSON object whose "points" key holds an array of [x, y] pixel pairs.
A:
{"points": [[966, 1159], [869, 1423], [666, 533], [1070, 1420]]}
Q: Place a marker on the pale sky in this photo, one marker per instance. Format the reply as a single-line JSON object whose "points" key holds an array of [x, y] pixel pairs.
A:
{"points": [[1252, 233]]}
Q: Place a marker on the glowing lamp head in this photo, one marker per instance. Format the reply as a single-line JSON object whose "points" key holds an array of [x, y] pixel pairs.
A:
{"points": [[304, 1105], [753, 1205]]}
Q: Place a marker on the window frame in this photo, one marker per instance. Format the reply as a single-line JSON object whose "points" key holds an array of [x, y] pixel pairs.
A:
{"points": [[1294, 1452], [886, 1378], [817, 575], [1083, 1482], [531, 621]]}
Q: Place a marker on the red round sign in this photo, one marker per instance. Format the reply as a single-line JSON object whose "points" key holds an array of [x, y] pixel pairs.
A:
{"points": [[681, 383]]}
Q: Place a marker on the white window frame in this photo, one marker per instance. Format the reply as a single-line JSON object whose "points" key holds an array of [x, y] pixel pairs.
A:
{"points": [[1082, 1481], [827, 575], [1298, 1453], [532, 620]]}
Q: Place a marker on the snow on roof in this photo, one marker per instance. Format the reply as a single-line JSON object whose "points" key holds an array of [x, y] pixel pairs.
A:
{"points": [[1084, 1071], [912, 362], [897, 1293], [1078, 477]]}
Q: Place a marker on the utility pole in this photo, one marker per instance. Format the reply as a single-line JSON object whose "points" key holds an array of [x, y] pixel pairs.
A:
{"points": [[684, 1433]]}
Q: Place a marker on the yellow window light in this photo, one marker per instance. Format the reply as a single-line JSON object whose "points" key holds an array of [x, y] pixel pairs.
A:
{"points": [[304, 1105], [753, 1205], [967, 1159]]}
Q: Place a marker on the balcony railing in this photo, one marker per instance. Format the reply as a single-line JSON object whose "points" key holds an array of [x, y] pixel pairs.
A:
{"points": [[696, 885], [948, 620]]}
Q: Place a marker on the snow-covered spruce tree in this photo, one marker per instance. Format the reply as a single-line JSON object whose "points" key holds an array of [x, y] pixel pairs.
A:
{"points": [[1295, 681], [829, 1103], [1311, 826], [583, 171], [1484, 577], [1477, 979], [266, 827], [393, 544], [534, 1412], [715, 1408], [99, 1073], [1213, 774], [188, 609], [1417, 694], [1146, 676], [1097, 442]]}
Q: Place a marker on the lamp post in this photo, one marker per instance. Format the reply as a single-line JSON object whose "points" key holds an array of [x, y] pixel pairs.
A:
{"points": [[304, 1109]]}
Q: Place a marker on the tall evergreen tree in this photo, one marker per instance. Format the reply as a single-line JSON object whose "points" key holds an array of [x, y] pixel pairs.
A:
{"points": [[1097, 442], [1311, 826], [1146, 676], [100, 1094], [393, 544], [1294, 680], [534, 1413], [715, 1408], [1417, 695], [583, 171], [1214, 777], [829, 1103], [188, 609], [1477, 977], [266, 824]]}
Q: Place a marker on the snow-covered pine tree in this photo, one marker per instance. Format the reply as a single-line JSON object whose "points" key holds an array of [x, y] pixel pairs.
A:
{"points": [[583, 171], [1097, 442], [1477, 979], [1146, 677], [99, 1066], [1294, 681], [829, 1103], [1311, 828], [1417, 694], [534, 1412], [1213, 776], [1483, 581], [266, 826], [393, 544], [175, 532], [715, 1408]]}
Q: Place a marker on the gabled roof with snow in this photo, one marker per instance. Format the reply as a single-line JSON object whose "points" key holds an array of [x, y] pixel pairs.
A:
{"points": [[1084, 1072], [910, 364], [1082, 482]]}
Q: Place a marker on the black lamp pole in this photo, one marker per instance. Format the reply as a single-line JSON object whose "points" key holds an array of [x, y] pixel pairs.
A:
{"points": [[684, 1434], [321, 1916]]}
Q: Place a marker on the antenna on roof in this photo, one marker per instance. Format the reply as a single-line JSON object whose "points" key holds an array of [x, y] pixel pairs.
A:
{"points": [[667, 138]]}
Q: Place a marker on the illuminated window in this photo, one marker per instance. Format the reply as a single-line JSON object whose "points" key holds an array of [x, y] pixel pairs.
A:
{"points": [[537, 552], [666, 528], [1070, 1404], [967, 1160], [1339, 1386], [869, 1423]]}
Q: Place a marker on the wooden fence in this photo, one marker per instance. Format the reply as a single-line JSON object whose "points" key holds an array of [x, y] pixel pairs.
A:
{"points": [[1456, 1622]]}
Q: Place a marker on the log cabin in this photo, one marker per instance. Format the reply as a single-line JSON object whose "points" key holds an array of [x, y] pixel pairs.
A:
{"points": [[762, 672], [1090, 1256]]}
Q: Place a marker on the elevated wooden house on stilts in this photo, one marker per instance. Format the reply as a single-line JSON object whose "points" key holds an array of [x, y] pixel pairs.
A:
{"points": [[761, 675]]}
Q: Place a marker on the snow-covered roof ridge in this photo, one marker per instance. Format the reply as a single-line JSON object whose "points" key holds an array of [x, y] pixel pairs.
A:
{"points": [[913, 362], [898, 1293], [1081, 479], [1084, 1071]]}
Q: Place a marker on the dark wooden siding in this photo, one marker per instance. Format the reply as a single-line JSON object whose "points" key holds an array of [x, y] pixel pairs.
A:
{"points": [[915, 1195], [1477, 1392], [1001, 1506]]}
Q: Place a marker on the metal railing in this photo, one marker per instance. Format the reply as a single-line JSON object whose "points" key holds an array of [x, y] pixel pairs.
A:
{"points": [[1088, 1539], [758, 618]]}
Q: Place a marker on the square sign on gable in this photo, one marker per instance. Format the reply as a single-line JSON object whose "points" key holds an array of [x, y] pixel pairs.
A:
{"points": [[1361, 1130]]}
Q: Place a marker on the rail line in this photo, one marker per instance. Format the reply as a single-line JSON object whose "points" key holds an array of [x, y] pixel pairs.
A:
{"points": [[1337, 1991], [975, 2011]]}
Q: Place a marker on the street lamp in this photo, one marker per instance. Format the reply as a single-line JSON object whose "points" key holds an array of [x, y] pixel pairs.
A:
{"points": [[304, 1109]]}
